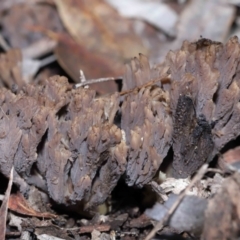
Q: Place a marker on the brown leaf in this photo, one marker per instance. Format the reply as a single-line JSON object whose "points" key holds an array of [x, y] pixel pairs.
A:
{"points": [[73, 57], [4, 207], [18, 203], [103, 45], [100, 28]]}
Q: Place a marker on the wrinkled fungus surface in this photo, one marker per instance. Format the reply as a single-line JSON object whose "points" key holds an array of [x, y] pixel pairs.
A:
{"points": [[66, 142]]}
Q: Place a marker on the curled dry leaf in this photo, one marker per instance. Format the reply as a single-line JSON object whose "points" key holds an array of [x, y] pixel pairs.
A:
{"points": [[17, 203]]}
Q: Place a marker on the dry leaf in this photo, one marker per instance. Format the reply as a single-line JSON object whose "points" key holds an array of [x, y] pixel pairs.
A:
{"points": [[98, 27], [18, 203], [106, 39], [73, 57]]}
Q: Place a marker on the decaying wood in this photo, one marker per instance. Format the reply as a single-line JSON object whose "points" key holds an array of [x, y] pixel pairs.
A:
{"points": [[66, 141]]}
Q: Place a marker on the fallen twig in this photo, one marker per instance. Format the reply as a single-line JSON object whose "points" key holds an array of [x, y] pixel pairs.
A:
{"points": [[152, 82]]}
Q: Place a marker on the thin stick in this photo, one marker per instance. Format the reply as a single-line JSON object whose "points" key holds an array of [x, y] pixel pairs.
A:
{"points": [[47, 61], [215, 171], [98, 80], [163, 222], [153, 81], [82, 76]]}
